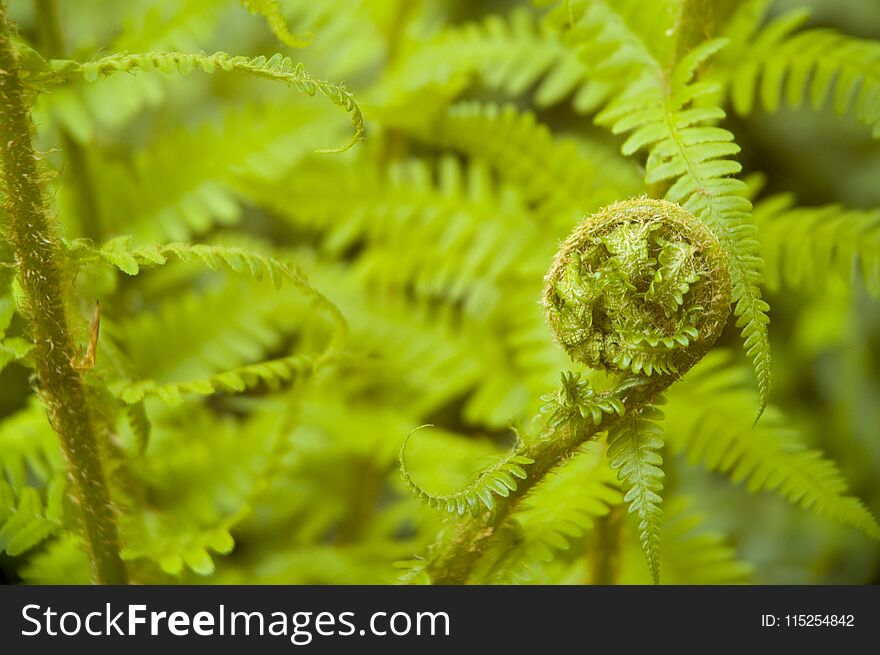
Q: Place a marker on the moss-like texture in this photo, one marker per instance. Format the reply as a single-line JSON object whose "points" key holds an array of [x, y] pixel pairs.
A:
{"points": [[634, 286]]}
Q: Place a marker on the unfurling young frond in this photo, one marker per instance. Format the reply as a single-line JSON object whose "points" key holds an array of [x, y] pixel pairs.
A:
{"points": [[687, 151]]}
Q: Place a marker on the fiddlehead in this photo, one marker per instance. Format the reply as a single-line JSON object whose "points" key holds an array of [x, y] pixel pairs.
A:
{"points": [[636, 288], [642, 290]]}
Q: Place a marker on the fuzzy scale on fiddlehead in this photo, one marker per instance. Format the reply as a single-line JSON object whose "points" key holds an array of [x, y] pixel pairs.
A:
{"points": [[642, 290]]}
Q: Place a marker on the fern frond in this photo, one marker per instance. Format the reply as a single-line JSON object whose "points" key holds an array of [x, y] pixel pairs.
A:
{"points": [[509, 54], [163, 201], [272, 373], [688, 151], [29, 448], [140, 425], [562, 509], [11, 348], [24, 522], [634, 446], [61, 561], [498, 479], [707, 418], [271, 11], [805, 246], [129, 258], [564, 178], [785, 66], [202, 486], [692, 554], [467, 234], [277, 68]]}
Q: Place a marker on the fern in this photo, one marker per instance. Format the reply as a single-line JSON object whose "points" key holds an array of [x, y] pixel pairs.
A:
{"points": [[129, 259], [633, 450], [687, 150], [11, 348], [561, 511], [191, 526], [164, 201], [24, 522], [770, 456], [271, 373], [87, 110], [498, 479], [271, 11], [29, 449], [564, 178], [692, 553], [792, 67], [806, 246], [510, 54], [277, 68], [121, 254]]}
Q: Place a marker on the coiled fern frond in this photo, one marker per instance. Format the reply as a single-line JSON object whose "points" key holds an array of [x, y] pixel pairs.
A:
{"points": [[639, 266]]}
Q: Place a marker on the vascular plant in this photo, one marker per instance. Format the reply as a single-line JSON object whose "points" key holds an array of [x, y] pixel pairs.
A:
{"points": [[438, 291]]}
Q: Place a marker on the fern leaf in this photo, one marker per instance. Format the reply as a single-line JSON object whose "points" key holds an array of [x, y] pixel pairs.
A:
{"points": [[692, 553], [277, 68], [163, 201], [634, 451], [561, 510], [271, 11], [272, 373], [498, 479], [707, 419], [24, 522], [121, 254], [564, 178], [806, 246], [11, 348], [29, 448], [815, 66], [688, 151], [203, 486], [508, 54], [61, 561], [86, 110]]}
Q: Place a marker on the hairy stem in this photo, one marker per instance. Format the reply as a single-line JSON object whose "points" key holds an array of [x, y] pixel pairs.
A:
{"points": [[38, 255], [461, 544]]}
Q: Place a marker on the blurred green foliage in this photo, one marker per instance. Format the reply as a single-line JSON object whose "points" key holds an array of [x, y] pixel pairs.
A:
{"points": [[432, 237]]}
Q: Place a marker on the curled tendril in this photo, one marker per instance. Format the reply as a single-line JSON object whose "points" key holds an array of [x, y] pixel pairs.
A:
{"points": [[641, 287]]}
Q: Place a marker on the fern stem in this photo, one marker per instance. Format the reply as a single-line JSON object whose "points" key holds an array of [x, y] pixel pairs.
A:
{"points": [[460, 546], [606, 547], [88, 208], [697, 22], [38, 255]]}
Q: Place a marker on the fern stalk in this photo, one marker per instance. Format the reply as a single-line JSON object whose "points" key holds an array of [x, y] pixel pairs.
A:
{"points": [[38, 253]]}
